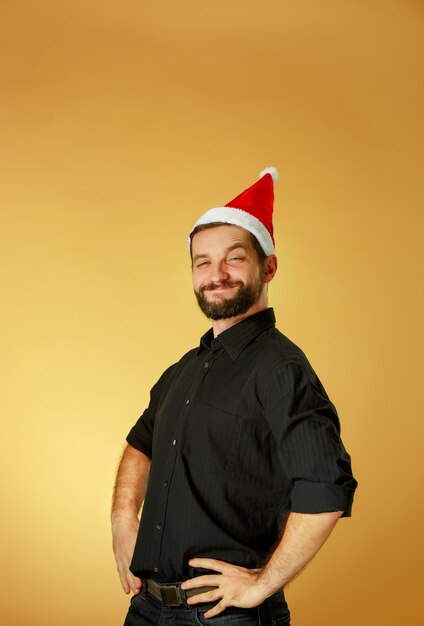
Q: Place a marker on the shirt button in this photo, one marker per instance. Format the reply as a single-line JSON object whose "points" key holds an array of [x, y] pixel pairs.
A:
{"points": [[206, 364], [187, 401], [165, 484], [174, 443], [158, 526], [155, 569]]}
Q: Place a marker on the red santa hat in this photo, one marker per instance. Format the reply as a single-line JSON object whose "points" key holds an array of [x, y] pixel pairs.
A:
{"points": [[252, 210]]}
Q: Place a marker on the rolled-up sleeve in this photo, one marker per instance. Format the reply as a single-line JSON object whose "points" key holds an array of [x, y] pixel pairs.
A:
{"points": [[141, 434], [306, 427]]}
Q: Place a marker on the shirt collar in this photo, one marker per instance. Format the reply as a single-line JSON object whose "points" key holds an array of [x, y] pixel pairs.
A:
{"points": [[236, 338]]}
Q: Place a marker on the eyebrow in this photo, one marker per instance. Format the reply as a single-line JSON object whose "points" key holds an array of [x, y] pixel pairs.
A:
{"points": [[234, 246]]}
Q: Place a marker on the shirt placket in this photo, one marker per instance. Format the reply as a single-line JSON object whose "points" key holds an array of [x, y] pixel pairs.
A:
{"points": [[205, 363]]}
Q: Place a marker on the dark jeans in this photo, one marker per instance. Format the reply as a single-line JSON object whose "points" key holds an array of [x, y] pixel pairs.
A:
{"points": [[146, 611]]}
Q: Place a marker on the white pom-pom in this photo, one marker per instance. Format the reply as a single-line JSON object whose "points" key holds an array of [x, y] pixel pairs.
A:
{"points": [[270, 170]]}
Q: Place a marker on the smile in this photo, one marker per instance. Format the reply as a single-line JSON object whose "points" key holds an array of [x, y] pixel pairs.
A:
{"points": [[218, 289]]}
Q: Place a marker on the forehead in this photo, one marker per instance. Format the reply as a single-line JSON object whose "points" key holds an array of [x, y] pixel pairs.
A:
{"points": [[220, 237]]}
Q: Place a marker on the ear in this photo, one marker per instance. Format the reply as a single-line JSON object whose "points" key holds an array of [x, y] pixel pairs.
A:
{"points": [[269, 268]]}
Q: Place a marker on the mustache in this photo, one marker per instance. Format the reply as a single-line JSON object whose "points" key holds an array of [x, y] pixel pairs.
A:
{"points": [[222, 283]]}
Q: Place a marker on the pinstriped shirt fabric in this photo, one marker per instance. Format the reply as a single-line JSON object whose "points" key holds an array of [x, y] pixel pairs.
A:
{"points": [[240, 432]]}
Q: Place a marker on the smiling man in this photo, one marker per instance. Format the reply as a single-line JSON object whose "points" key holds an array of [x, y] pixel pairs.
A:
{"points": [[238, 457]]}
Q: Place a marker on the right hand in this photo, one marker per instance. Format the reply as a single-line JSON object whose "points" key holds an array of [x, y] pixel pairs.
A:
{"points": [[124, 532]]}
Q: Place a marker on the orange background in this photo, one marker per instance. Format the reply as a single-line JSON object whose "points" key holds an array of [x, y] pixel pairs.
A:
{"points": [[121, 123]]}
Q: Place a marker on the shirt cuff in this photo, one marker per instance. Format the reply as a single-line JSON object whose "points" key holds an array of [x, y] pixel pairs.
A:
{"points": [[136, 442], [310, 497]]}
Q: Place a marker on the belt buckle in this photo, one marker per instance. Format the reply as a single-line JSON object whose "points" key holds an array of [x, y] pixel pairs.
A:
{"points": [[170, 595]]}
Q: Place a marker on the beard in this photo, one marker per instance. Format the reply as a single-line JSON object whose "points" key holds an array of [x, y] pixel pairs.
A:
{"points": [[245, 297]]}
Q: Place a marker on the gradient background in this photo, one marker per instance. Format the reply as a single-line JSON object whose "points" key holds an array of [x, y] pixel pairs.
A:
{"points": [[121, 122]]}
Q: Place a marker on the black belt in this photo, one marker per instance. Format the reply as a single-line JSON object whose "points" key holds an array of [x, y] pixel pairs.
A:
{"points": [[171, 595]]}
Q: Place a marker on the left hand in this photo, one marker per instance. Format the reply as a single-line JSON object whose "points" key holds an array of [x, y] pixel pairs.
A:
{"points": [[235, 586]]}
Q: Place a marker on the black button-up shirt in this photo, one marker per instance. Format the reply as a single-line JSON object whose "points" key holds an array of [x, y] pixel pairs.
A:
{"points": [[240, 432]]}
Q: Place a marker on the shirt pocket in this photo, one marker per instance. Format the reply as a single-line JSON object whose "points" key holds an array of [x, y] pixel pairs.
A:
{"points": [[211, 441]]}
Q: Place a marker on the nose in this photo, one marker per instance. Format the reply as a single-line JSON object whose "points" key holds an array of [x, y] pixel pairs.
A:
{"points": [[218, 272]]}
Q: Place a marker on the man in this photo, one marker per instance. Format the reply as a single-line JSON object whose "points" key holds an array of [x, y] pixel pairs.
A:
{"points": [[238, 457]]}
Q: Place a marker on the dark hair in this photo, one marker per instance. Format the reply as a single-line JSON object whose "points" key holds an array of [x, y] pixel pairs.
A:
{"points": [[255, 243]]}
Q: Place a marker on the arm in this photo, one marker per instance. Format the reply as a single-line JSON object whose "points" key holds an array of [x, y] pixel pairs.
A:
{"points": [[129, 493], [238, 586]]}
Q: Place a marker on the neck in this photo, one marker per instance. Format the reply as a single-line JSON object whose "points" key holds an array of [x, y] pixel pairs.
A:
{"points": [[218, 326]]}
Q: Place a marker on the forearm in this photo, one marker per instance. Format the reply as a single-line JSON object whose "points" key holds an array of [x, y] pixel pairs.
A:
{"points": [[131, 483], [130, 490], [303, 536]]}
